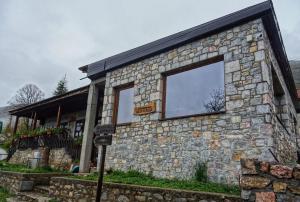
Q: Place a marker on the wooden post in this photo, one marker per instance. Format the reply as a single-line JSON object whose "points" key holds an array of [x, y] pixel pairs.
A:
{"points": [[34, 121], [58, 118], [16, 125], [31, 121]]}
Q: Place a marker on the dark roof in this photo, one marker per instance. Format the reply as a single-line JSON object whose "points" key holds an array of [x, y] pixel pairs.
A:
{"points": [[84, 68], [71, 101], [264, 10]]}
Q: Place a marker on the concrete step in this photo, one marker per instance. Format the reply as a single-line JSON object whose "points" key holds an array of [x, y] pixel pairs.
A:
{"points": [[43, 189], [33, 197]]}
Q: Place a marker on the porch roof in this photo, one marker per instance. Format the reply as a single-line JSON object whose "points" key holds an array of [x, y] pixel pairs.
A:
{"points": [[71, 101]]}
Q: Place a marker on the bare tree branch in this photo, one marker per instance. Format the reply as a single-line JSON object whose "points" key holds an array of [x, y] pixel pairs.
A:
{"points": [[216, 102], [28, 94]]}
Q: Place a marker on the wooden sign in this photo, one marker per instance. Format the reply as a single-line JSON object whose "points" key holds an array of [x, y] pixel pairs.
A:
{"points": [[104, 129], [103, 140], [147, 109]]}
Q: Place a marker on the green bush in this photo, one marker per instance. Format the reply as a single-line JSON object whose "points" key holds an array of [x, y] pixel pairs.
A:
{"points": [[4, 194], [8, 129], [78, 141], [201, 172], [6, 144]]}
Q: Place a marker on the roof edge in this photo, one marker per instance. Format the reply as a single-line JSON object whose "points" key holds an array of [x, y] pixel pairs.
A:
{"points": [[49, 100], [99, 68]]}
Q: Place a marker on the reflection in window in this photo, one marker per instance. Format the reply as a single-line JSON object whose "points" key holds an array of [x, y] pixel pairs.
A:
{"points": [[125, 106], [79, 127], [195, 91]]}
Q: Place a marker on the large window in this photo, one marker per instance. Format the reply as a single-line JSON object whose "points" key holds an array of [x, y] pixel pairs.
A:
{"points": [[197, 91], [124, 104]]}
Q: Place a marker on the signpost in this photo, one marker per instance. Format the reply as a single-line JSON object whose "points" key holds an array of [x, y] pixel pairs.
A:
{"points": [[103, 137]]}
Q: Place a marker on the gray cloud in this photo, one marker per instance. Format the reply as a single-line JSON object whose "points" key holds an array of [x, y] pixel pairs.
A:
{"points": [[40, 41]]}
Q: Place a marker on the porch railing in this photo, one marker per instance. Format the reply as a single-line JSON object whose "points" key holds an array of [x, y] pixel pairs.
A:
{"points": [[50, 141]]}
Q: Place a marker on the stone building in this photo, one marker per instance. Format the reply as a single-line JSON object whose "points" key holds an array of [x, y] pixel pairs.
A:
{"points": [[210, 94]]}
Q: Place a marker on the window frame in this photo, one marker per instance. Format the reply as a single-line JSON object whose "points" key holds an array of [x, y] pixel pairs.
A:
{"points": [[79, 121], [184, 69], [65, 125], [117, 90]]}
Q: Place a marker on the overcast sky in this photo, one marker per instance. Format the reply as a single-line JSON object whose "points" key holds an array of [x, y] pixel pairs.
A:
{"points": [[40, 41]]}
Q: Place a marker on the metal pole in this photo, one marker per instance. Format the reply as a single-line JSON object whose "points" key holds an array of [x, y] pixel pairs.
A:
{"points": [[101, 172]]}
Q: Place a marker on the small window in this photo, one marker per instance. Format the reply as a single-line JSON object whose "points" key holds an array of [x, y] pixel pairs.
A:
{"points": [[64, 125], [124, 104], [195, 91], [79, 128]]}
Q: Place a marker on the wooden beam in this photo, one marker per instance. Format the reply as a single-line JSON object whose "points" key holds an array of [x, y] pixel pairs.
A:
{"points": [[58, 117], [34, 121], [16, 125]]}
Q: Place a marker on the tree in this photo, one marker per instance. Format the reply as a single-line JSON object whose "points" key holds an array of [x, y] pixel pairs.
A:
{"points": [[61, 87], [26, 95], [216, 102]]}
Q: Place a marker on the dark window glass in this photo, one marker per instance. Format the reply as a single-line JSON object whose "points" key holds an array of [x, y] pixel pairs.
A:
{"points": [[64, 125], [125, 106], [79, 127], [196, 91]]}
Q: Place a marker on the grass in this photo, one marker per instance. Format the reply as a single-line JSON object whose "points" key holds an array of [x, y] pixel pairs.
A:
{"points": [[4, 166], [5, 146], [4, 194], [137, 178]]}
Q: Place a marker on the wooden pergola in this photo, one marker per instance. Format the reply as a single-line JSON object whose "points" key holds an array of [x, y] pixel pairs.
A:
{"points": [[72, 101]]}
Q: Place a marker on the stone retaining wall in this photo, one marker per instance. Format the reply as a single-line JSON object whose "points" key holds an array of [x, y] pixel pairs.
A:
{"points": [[58, 158], [263, 181], [66, 189], [15, 181]]}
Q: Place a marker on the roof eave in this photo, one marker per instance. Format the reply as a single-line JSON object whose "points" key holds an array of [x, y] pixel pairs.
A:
{"points": [[178, 39], [50, 100]]}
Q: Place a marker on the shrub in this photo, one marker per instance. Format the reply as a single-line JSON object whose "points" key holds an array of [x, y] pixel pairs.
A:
{"points": [[4, 194], [201, 172], [8, 130]]}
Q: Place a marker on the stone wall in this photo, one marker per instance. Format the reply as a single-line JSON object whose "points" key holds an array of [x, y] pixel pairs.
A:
{"points": [[58, 158], [172, 148], [284, 131], [21, 156], [67, 189], [263, 181], [16, 182]]}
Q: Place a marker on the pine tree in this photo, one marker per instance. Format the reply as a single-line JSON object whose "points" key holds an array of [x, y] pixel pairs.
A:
{"points": [[61, 87]]}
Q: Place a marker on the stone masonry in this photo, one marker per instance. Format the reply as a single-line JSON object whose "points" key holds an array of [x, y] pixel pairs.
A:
{"points": [[67, 189], [264, 181], [248, 128], [58, 158]]}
